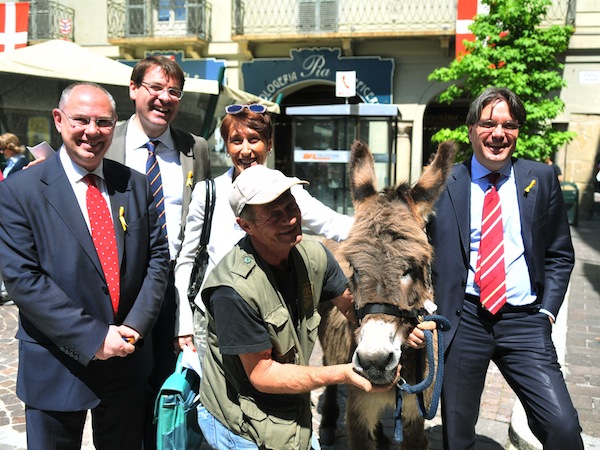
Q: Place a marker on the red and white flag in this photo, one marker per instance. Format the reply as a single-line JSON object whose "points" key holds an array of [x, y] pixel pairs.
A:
{"points": [[14, 21], [466, 10]]}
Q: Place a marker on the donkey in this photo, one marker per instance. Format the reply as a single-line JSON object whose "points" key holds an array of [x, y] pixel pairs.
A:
{"points": [[387, 258]]}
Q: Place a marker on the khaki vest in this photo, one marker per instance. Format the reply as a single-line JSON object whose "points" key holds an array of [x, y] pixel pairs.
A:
{"points": [[271, 421]]}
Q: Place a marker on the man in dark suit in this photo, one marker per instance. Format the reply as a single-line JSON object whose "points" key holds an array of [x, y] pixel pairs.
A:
{"points": [[82, 326], [537, 262], [156, 87], [14, 153]]}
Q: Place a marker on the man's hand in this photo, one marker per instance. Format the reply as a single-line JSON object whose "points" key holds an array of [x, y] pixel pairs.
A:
{"points": [[353, 378], [35, 162], [345, 303], [128, 334], [362, 383], [115, 345], [184, 341], [416, 339]]}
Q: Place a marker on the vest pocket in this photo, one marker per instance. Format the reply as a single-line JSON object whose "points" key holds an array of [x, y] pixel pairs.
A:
{"points": [[274, 430], [281, 332]]}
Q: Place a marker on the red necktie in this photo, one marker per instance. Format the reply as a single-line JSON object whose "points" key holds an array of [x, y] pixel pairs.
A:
{"points": [[103, 235], [490, 273]]}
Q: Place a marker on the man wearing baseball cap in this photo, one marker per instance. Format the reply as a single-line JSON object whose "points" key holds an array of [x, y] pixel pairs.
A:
{"points": [[261, 301]]}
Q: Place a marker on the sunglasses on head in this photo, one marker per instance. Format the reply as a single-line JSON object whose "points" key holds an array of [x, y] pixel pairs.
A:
{"points": [[254, 107]]}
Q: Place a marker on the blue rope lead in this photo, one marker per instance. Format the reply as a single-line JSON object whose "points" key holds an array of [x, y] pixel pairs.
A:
{"points": [[443, 324]]}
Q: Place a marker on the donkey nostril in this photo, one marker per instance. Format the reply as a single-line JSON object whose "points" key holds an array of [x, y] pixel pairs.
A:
{"points": [[378, 361]]}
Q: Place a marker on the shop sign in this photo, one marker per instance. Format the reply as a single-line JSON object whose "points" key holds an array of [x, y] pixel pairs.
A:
{"points": [[322, 156], [267, 78]]}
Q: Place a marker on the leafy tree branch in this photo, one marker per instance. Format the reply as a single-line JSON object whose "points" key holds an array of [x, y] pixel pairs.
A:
{"points": [[513, 50]]}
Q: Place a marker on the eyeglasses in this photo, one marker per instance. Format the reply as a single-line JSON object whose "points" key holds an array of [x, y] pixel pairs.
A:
{"points": [[157, 89], [254, 107], [83, 122], [508, 125]]}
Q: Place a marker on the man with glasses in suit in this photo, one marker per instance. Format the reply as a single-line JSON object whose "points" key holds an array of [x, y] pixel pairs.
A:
{"points": [[156, 88]]}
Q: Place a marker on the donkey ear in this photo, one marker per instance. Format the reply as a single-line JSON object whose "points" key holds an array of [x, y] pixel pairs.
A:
{"points": [[433, 181], [361, 172]]}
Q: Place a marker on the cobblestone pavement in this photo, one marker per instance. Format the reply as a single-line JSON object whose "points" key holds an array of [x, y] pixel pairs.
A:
{"points": [[581, 367], [492, 428], [583, 330]]}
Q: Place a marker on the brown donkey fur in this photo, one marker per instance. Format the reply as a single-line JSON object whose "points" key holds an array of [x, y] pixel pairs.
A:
{"points": [[387, 258]]}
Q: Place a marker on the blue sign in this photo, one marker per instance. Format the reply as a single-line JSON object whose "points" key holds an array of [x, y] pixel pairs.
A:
{"points": [[207, 69], [266, 78]]}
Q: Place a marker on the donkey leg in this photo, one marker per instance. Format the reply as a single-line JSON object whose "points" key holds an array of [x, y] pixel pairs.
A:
{"points": [[413, 425], [330, 412], [363, 410], [415, 437]]}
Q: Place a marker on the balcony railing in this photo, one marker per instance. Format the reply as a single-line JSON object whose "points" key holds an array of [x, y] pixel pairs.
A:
{"points": [[50, 20], [256, 19], [131, 19]]}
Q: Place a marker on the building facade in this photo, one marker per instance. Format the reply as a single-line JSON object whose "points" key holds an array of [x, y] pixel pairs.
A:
{"points": [[292, 51]]}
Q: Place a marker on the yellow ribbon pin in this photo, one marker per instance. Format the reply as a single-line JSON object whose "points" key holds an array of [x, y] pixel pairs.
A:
{"points": [[122, 218], [190, 179], [528, 188]]}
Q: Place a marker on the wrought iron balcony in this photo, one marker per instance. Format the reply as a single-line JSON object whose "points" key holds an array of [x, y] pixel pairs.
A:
{"points": [[140, 20], [296, 19], [50, 20]]}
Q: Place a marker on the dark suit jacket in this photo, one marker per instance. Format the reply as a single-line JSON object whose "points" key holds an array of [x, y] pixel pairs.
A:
{"points": [[545, 230], [21, 162], [193, 156], [52, 272]]}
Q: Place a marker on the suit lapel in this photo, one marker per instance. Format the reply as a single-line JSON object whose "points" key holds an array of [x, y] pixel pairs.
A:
{"points": [[59, 194], [117, 184], [184, 144], [527, 197], [459, 191]]}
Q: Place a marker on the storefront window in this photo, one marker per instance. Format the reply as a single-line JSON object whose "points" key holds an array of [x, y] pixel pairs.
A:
{"points": [[321, 151]]}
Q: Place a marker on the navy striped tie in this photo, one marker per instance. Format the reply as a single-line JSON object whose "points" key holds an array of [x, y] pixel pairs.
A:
{"points": [[156, 186]]}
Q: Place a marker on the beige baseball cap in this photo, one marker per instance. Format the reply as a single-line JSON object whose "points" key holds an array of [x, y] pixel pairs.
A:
{"points": [[259, 185]]}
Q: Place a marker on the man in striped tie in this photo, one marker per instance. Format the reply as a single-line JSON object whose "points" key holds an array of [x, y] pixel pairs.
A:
{"points": [[174, 160], [503, 261]]}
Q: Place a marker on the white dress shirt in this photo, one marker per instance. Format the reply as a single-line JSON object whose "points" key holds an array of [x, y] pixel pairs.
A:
{"points": [[75, 175], [518, 284]]}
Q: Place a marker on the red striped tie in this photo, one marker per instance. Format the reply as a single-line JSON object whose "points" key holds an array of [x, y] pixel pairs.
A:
{"points": [[490, 273], [105, 241]]}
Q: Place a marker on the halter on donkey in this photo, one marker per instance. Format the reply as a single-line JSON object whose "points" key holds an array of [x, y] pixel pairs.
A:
{"points": [[442, 324]]}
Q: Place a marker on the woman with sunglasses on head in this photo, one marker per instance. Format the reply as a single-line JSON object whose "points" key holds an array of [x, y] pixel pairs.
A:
{"points": [[248, 134]]}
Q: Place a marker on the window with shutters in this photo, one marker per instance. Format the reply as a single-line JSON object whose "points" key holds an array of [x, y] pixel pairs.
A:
{"points": [[317, 16], [136, 18], [196, 18], [39, 20]]}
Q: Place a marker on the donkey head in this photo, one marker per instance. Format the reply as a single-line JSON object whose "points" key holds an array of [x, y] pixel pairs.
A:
{"points": [[389, 258]]}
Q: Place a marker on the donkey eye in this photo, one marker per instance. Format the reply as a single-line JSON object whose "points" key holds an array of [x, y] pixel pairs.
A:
{"points": [[407, 277], [353, 279]]}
